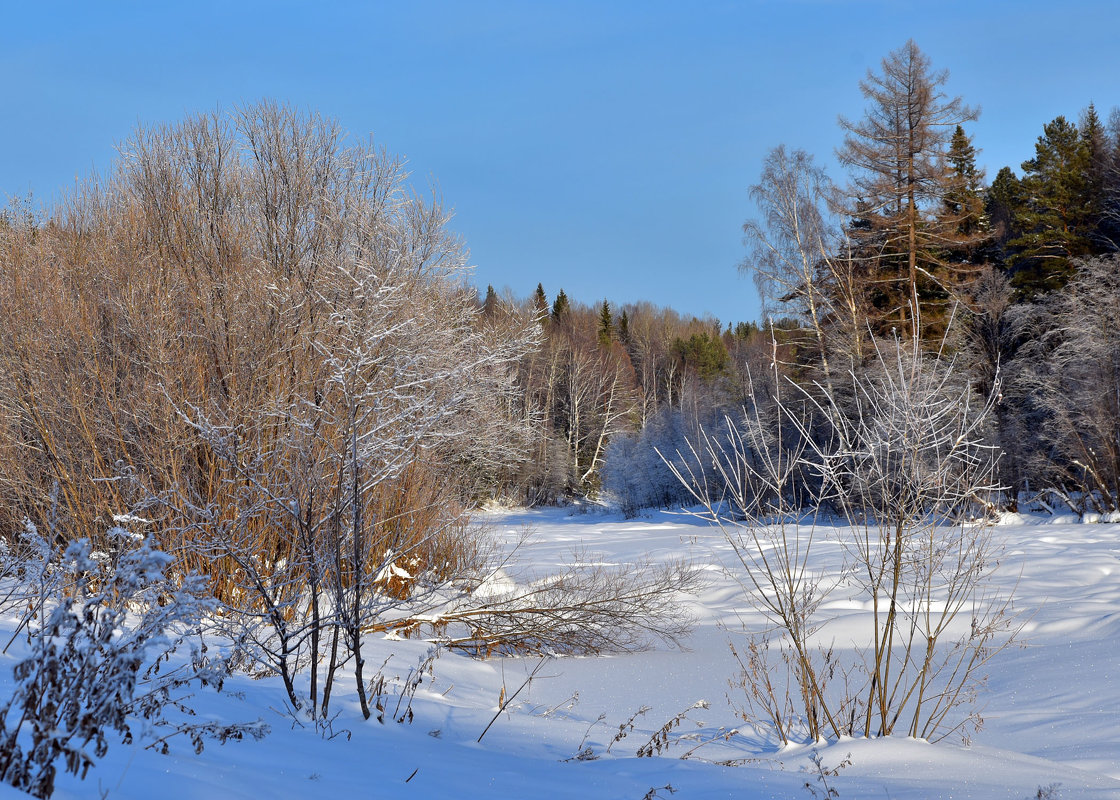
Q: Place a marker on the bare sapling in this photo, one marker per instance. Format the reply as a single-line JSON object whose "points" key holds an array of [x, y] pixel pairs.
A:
{"points": [[896, 473]]}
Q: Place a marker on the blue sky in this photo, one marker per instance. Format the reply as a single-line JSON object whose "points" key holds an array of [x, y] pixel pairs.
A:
{"points": [[601, 147]]}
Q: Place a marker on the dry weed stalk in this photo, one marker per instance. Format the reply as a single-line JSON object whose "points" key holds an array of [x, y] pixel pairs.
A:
{"points": [[662, 737]]}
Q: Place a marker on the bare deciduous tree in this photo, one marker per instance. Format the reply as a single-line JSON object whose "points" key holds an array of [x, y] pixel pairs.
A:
{"points": [[800, 259], [1070, 367], [900, 177]]}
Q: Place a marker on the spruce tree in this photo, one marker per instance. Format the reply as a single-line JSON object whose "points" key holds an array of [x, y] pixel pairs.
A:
{"points": [[540, 303], [704, 353], [490, 304], [624, 328], [1002, 206], [962, 201], [962, 217], [560, 306], [1110, 221], [1098, 162], [606, 325], [744, 330]]}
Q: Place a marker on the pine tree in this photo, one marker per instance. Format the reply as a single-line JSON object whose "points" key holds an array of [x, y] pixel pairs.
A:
{"points": [[704, 353], [606, 325], [1098, 161], [624, 328], [962, 201], [962, 216], [1055, 215], [1002, 204], [1110, 221], [743, 330], [490, 304], [540, 303]]}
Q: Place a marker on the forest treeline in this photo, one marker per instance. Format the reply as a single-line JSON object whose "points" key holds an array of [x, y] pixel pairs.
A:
{"points": [[1014, 281], [174, 323]]}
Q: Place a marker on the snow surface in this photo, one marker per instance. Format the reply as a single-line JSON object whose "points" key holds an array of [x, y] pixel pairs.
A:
{"points": [[1050, 710]]}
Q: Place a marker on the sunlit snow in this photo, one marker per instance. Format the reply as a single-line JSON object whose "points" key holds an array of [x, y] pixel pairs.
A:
{"points": [[1050, 709]]}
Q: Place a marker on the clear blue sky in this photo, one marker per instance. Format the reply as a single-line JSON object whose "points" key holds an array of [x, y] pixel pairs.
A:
{"points": [[602, 147]]}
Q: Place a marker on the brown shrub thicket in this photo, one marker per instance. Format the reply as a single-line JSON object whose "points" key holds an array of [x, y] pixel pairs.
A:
{"points": [[254, 341]]}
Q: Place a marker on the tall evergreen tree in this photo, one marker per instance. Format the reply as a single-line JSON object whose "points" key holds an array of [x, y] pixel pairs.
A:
{"points": [[624, 328], [1001, 206], [560, 306], [963, 203], [606, 325], [490, 304], [1099, 160], [900, 178], [1110, 223], [963, 218], [1054, 218], [540, 303]]}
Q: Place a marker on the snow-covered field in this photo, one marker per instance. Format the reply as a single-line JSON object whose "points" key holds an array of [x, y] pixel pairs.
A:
{"points": [[1051, 711]]}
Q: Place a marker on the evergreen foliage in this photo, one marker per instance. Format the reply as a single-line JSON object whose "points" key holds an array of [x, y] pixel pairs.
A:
{"points": [[1054, 216], [624, 328], [606, 325], [560, 307], [540, 303], [703, 353], [1001, 203], [490, 304], [963, 200]]}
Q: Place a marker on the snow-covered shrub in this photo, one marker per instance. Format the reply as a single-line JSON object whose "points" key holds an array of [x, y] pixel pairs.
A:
{"points": [[641, 468], [104, 658], [635, 476], [1069, 370]]}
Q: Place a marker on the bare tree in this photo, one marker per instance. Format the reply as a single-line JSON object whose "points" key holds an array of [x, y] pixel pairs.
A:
{"points": [[585, 608], [801, 261], [1070, 367], [992, 335]]}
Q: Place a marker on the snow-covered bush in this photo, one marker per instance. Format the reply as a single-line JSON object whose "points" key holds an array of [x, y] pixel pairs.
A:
{"points": [[104, 656], [1069, 370], [641, 468], [635, 476]]}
